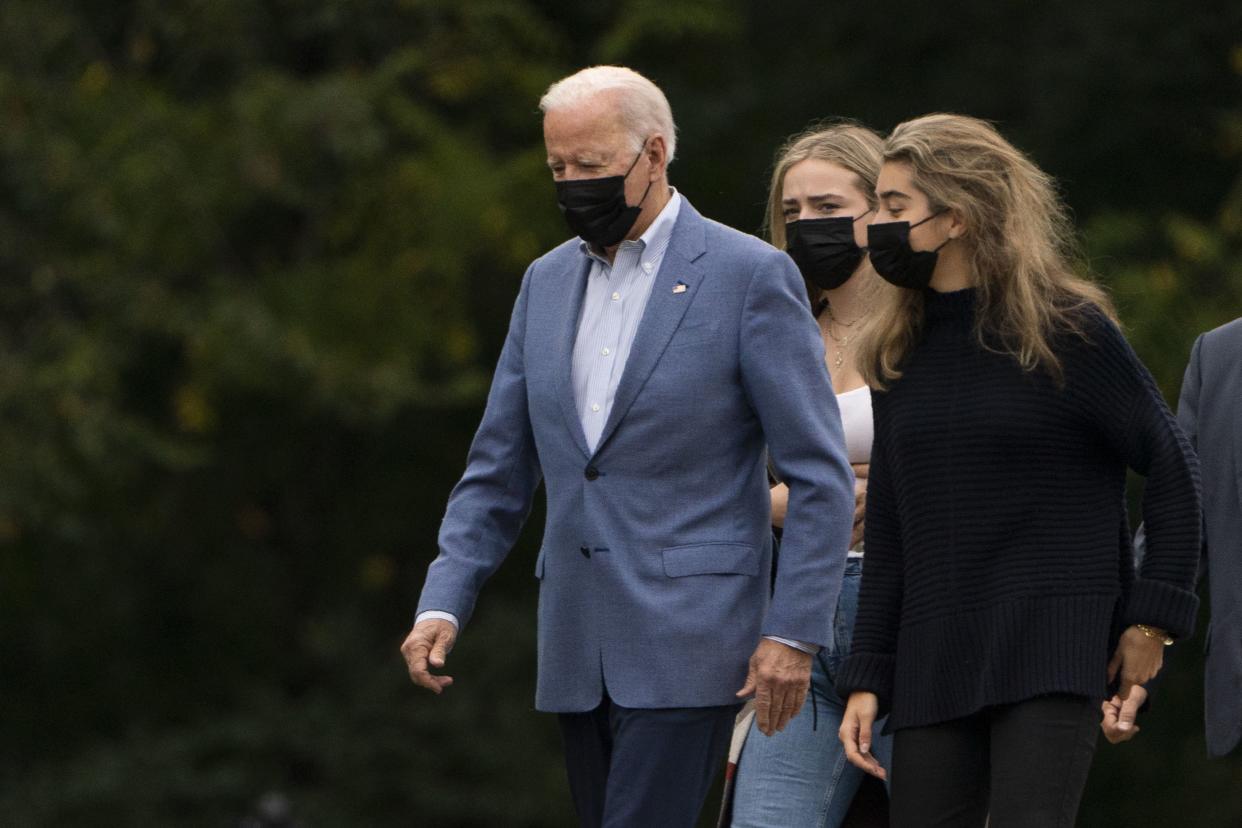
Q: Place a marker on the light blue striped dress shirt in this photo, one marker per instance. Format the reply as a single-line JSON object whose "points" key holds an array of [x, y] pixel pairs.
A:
{"points": [[612, 306]]}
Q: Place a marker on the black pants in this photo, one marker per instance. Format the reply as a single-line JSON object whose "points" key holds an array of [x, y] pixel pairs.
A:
{"points": [[1026, 764], [632, 768]]}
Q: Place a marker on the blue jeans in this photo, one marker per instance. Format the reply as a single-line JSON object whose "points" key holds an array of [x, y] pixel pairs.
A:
{"points": [[800, 777]]}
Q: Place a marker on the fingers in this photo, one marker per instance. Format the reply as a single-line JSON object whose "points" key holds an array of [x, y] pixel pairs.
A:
{"points": [[855, 735], [1129, 710], [763, 709], [1108, 719], [1117, 722], [748, 689], [439, 650], [865, 723], [422, 647], [779, 676], [791, 701], [777, 701]]}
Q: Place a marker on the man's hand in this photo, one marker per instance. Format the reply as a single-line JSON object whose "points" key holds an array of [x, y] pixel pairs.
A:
{"points": [[429, 643], [861, 470], [1118, 722], [855, 732], [1138, 659], [779, 677]]}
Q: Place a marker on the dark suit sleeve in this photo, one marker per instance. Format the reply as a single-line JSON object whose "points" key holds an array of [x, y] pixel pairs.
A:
{"points": [[491, 502], [1188, 419], [787, 384]]}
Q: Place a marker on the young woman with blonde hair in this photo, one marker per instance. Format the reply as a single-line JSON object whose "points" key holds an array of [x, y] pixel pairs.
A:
{"points": [[822, 193], [1000, 598]]}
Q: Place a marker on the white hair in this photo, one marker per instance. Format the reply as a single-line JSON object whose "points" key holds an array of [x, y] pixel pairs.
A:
{"points": [[644, 109]]}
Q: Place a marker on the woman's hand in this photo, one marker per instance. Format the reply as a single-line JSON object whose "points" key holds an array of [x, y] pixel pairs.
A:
{"points": [[1138, 659], [1118, 717], [860, 501], [855, 732], [780, 504]]}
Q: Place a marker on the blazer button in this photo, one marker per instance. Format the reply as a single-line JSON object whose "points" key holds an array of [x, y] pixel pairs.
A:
{"points": [[591, 473], [585, 550]]}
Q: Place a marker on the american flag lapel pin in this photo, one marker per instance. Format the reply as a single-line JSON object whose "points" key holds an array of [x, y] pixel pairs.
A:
{"points": [[680, 287]]}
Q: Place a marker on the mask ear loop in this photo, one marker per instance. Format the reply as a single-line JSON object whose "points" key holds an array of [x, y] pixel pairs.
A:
{"points": [[869, 210], [929, 218], [633, 164]]}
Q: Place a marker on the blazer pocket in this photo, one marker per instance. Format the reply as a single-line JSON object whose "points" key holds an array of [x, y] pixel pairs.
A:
{"points": [[710, 559], [695, 334]]}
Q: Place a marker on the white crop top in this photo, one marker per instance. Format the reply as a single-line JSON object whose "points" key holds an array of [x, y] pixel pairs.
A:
{"points": [[856, 421]]}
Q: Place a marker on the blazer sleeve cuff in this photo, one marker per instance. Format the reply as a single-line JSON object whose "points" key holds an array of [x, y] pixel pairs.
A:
{"points": [[1162, 605], [868, 673]]}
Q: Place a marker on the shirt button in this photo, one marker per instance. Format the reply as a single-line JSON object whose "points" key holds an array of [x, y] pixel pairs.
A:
{"points": [[616, 297], [605, 352], [591, 473], [647, 266], [595, 407]]}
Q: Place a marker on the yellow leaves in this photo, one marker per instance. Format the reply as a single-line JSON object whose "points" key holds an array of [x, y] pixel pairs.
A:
{"points": [[95, 79], [1191, 240], [1162, 278], [458, 80], [458, 344], [192, 410]]}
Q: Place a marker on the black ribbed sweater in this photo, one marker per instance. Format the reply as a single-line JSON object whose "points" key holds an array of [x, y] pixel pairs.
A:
{"points": [[999, 565]]}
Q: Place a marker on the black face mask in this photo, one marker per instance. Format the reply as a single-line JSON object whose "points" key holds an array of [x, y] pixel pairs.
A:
{"points": [[824, 249], [894, 260], [595, 208]]}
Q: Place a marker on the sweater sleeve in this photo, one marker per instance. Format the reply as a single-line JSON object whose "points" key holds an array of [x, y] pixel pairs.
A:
{"points": [[1128, 409], [871, 664]]}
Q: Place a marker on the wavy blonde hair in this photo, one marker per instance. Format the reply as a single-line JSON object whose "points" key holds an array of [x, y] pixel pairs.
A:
{"points": [[844, 143], [1020, 242]]}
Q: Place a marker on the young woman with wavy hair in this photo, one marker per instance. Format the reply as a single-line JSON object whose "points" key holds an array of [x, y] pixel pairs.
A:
{"points": [[821, 196], [1000, 606]]}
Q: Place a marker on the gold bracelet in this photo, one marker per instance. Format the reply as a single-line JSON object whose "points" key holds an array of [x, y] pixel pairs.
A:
{"points": [[1162, 637]]}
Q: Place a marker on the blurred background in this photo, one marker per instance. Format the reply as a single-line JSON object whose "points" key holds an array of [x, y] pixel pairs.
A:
{"points": [[256, 263]]}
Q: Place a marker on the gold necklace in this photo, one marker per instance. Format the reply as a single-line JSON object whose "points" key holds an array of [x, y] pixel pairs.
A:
{"points": [[842, 342]]}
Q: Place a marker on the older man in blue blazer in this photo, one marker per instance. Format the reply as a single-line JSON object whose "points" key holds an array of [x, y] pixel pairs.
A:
{"points": [[649, 363]]}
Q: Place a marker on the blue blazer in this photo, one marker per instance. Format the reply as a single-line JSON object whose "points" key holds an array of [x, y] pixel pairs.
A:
{"points": [[656, 558]]}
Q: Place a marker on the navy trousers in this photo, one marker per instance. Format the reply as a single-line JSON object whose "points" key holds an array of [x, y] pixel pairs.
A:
{"points": [[633, 768]]}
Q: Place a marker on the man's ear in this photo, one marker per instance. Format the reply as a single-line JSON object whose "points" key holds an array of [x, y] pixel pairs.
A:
{"points": [[657, 154]]}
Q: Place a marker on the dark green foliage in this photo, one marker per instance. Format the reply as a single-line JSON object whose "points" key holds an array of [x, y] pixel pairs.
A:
{"points": [[256, 262]]}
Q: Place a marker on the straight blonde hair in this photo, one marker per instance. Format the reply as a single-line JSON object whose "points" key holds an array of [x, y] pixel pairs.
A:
{"points": [[844, 143], [1020, 241]]}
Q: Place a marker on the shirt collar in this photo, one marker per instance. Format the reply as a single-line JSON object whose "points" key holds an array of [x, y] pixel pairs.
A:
{"points": [[659, 231]]}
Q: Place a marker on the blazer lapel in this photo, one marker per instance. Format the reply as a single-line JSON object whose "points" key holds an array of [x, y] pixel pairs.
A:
{"points": [[564, 357], [665, 309]]}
